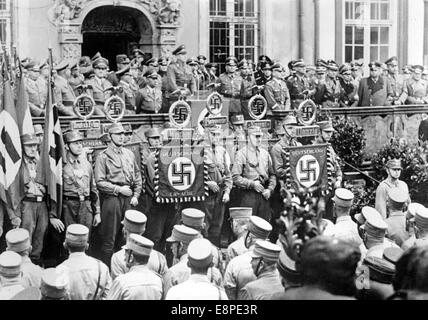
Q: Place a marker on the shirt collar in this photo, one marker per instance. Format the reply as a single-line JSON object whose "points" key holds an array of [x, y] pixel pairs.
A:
{"points": [[343, 218], [30, 160], [71, 159], [199, 277], [77, 254], [116, 149]]}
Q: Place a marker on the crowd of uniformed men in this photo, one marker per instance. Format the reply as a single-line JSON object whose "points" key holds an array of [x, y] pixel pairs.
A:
{"points": [[149, 250]]}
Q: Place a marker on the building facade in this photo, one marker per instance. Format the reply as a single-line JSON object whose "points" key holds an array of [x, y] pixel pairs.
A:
{"points": [[342, 30]]}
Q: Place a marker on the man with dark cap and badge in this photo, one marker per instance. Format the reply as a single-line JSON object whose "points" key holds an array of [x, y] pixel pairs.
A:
{"points": [[118, 178], [140, 282], [197, 75], [99, 84], [247, 89], [76, 77], [420, 237], [134, 222], [349, 87], [415, 90], [396, 80], [122, 61], [180, 271], [239, 220], [180, 82], [396, 220], [229, 84], [18, 240], [10, 275], [298, 85], [239, 271], [64, 93], [89, 278], [276, 91], [81, 202], [266, 74], [36, 90], [331, 89], [253, 173], [212, 72], [374, 90], [54, 285], [149, 98], [393, 169], [130, 89], [263, 262], [198, 286]]}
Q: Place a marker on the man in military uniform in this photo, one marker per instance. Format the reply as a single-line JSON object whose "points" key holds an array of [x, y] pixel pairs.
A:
{"points": [[202, 70], [238, 131], [263, 262], [247, 89], [130, 89], [331, 89], [393, 169], [81, 203], [276, 92], [161, 216], [64, 93], [134, 222], [118, 179], [253, 173], [349, 87], [239, 220], [239, 271], [10, 275], [212, 72], [396, 220], [149, 98], [420, 238], [290, 277], [89, 278], [198, 286], [265, 75], [197, 75], [374, 90], [380, 276], [139, 283], [180, 239], [299, 86], [122, 61], [229, 84], [396, 80], [180, 81], [99, 84], [415, 90], [76, 78], [54, 285], [35, 90]]}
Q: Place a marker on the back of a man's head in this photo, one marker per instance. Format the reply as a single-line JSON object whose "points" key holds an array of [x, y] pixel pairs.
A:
{"points": [[411, 270], [330, 264]]}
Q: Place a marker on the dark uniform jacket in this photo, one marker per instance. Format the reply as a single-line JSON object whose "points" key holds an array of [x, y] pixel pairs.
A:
{"points": [[374, 93], [179, 77], [148, 99]]}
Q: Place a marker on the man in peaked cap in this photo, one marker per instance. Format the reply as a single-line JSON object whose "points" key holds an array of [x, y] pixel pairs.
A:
{"points": [[36, 90], [198, 286], [149, 98], [254, 174], [415, 90], [396, 80], [76, 76], [54, 284], [81, 202], [349, 87], [239, 217], [239, 272], [299, 86], [140, 283], [420, 238], [18, 240], [276, 91], [374, 90], [99, 84], [264, 260], [89, 278], [344, 228], [329, 91], [64, 93], [393, 169], [238, 131], [180, 81], [248, 86], [180, 239], [397, 217], [10, 275], [122, 61], [381, 273], [118, 178], [134, 222]]}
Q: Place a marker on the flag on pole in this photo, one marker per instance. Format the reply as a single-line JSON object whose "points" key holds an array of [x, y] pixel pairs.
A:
{"points": [[11, 183], [25, 122], [49, 172]]}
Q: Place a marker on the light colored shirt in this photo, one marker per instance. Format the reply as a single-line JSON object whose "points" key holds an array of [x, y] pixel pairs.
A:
{"points": [[197, 287], [236, 248], [345, 229], [238, 274], [382, 194], [10, 287], [31, 273]]}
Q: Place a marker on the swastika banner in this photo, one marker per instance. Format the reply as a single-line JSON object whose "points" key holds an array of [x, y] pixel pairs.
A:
{"points": [[307, 167], [180, 174]]}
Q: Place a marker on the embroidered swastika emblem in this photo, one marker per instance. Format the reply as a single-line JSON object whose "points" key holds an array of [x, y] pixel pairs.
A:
{"points": [[181, 173], [307, 170]]}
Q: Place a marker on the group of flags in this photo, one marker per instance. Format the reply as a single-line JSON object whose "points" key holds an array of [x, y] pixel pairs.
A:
{"points": [[15, 121]]}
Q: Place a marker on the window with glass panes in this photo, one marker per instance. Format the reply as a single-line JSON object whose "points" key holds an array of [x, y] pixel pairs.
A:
{"points": [[368, 29], [234, 29], [3, 5], [3, 26]]}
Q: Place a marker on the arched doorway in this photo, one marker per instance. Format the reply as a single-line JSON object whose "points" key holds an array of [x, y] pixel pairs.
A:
{"points": [[113, 30]]}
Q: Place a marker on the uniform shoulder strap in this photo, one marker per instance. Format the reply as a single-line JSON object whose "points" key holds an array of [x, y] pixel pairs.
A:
{"points": [[98, 280]]}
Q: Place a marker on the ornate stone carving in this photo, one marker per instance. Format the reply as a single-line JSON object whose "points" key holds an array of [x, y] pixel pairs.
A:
{"points": [[66, 10], [71, 50], [118, 23], [169, 12]]}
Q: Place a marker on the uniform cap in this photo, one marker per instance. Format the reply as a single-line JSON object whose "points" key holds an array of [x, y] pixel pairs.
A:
{"points": [[397, 198], [200, 253], [96, 56], [394, 164], [237, 119], [72, 136], [380, 270], [343, 198], [365, 213], [375, 226], [54, 283], [10, 264], [421, 218], [62, 65], [38, 129], [259, 227], [299, 63], [152, 133], [392, 59], [32, 66], [151, 61], [181, 233], [179, 50], [123, 71], [18, 240], [375, 64], [326, 126], [231, 61], [100, 62], [192, 62], [77, 234], [30, 293], [201, 57], [139, 245], [211, 65], [136, 50], [418, 67], [287, 267], [310, 68], [266, 250], [29, 138], [289, 120], [73, 64], [116, 128], [392, 254], [243, 64], [134, 221], [122, 59], [240, 212], [277, 67], [332, 65], [151, 74], [267, 66], [192, 217], [413, 208], [346, 67], [264, 58], [255, 130]]}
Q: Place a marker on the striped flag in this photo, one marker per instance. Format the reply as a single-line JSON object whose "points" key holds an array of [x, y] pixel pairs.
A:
{"points": [[25, 122], [52, 153], [11, 183]]}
